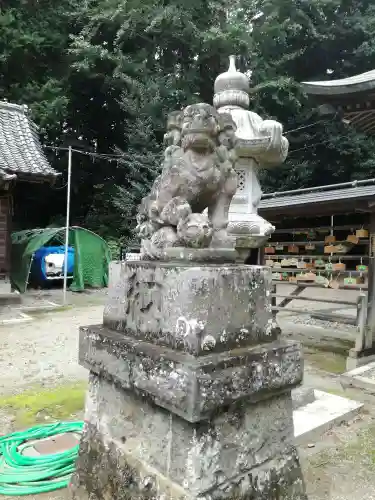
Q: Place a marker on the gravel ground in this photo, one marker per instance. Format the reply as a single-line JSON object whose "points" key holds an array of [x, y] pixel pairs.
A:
{"points": [[54, 495], [44, 351], [78, 299], [328, 325]]}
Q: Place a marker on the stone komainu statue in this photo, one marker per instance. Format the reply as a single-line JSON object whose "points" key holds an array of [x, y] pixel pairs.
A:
{"points": [[197, 174]]}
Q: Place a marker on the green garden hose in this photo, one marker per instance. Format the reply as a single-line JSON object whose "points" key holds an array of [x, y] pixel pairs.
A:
{"points": [[24, 475]]}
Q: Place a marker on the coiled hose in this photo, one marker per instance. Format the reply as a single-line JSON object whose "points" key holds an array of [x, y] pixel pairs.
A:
{"points": [[23, 475]]}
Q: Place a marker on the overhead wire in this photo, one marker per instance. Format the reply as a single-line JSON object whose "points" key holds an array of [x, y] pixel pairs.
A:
{"points": [[304, 127], [111, 157], [105, 156], [117, 157]]}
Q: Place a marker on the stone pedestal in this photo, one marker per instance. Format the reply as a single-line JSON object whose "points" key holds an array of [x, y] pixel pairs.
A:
{"points": [[190, 389]]}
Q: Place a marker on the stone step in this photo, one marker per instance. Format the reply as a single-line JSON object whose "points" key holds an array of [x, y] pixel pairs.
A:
{"points": [[327, 410]]}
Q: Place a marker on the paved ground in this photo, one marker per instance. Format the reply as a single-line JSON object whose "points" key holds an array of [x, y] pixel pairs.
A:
{"points": [[43, 353]]}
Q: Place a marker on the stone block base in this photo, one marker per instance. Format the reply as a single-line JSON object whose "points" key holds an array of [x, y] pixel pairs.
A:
{"points": [[361, 377], [195, 388], [133, 449]]}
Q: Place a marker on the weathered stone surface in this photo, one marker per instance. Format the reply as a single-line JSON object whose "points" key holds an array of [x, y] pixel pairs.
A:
{"points": [[190, 389], [197, 174], [259, 144], [194, 308], [302, 396], [133, 450], [193, 387], [199, 255]]}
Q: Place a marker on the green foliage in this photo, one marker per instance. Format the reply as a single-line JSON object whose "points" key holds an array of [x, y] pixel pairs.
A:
{"points": [[143, 60], [33, 60], [102, 75]]}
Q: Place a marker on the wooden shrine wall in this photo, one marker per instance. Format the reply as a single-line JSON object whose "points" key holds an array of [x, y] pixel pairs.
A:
{"points": [[5, 243]]}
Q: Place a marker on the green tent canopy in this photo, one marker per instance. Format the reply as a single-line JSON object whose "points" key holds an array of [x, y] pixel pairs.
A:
{"points": [[92, 255]]}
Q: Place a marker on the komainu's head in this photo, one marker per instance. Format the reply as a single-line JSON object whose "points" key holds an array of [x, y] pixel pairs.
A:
{"points": [[200, 127]]}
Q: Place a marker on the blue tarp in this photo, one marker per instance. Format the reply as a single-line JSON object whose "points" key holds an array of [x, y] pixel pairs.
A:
{"points": [[38, 268]]}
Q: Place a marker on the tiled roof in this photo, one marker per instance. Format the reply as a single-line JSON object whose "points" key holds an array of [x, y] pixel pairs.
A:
{"points": [[353, 99], [4, 176], [21, 153], [353, 84], [352, 193]]}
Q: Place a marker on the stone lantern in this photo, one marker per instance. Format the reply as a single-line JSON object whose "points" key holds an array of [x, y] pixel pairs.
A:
{"points": [[260, 144]]}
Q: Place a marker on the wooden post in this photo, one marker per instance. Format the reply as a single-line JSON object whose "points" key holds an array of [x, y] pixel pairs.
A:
{"points": [[363, 340], [260, 256], [273, 300], [370, 323], [297, 291]]}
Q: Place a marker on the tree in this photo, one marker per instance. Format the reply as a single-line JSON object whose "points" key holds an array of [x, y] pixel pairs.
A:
{"points": [[167, 54], [103, 74], [301, 41], [34, 67], [139, 61], [34, 35]]}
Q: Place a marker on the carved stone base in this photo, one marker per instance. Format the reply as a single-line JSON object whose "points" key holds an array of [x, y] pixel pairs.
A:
{"points": [[249, 225], [195, 388], [192, 307], [190, 388], [132, 449], [250, 231]]}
